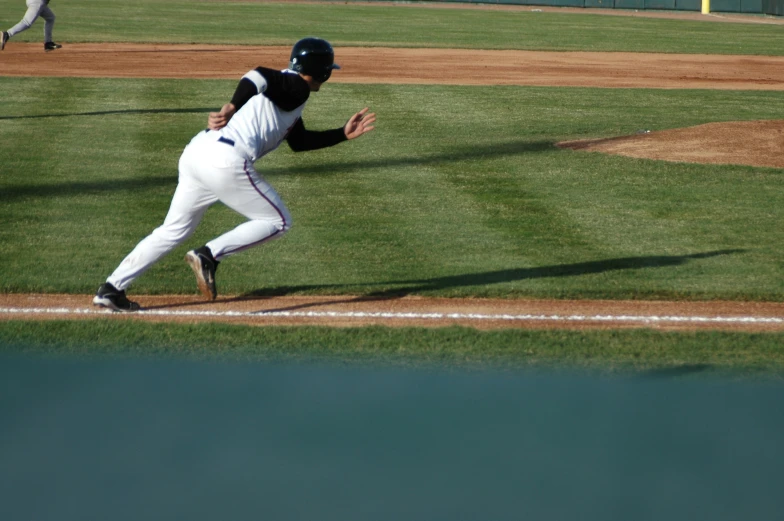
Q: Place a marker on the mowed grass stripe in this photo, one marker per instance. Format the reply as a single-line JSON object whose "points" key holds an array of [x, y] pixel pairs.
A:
{"points": [[185, 21]]}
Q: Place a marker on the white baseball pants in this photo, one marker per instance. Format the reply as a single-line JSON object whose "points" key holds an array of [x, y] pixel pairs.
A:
{"points": [[210, 171], [35, 8]]}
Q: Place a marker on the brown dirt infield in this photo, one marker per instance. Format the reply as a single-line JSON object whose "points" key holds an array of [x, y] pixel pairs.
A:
{"points": [[757, 143]]}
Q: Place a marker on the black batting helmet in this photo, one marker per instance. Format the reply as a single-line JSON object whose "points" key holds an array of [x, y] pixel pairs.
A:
{"points": [[314, 57]]}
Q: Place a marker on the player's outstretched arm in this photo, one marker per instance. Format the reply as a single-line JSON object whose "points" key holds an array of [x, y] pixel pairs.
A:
{"points": [[301, 139], [360, 123], [218, 120]]}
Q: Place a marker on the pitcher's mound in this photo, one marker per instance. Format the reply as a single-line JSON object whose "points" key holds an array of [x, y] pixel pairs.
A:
{"points": [[755, 143]]}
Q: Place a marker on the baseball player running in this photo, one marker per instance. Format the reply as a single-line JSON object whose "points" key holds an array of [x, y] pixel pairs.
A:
{"points": [[35, 8], [218, 165]]}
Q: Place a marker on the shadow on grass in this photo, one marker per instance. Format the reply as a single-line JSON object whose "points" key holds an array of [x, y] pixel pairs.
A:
{"points": [[137, 184], [115, 112], [82, 188], [455, 281], [489, 277]]}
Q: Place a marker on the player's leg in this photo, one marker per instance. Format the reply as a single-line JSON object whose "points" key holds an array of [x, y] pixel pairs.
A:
{"points": [[191, 199], [252, 196], [236, 184], [34, 8]]}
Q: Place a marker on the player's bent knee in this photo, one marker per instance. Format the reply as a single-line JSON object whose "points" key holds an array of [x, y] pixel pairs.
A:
{"points": [[280, 229], [286, 221], [282, 222]]}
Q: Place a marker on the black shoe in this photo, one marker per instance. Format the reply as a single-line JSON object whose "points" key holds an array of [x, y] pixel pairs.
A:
{"points": [[110, 297], [3, 39], [204, 264], [51, 46]]}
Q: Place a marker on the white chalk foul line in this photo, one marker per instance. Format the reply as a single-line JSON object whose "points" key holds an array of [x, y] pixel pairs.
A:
{"points": [[411, 315]]}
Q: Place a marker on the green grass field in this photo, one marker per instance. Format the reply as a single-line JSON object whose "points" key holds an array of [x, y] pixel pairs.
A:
{"points": [[460, 192]]}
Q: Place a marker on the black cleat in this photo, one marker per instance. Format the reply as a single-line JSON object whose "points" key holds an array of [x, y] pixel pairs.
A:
{"points": [[3, 39], [51, 46], [204, 264], [112, 298]]}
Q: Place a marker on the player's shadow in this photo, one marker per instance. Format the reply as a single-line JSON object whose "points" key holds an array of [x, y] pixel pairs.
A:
{"points": [[415, 286]]}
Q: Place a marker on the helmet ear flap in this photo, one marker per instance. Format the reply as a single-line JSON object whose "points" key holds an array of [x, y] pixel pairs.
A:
{"points": [[323, 76]]}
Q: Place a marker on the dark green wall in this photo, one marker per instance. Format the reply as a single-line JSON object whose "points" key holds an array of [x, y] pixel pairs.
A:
{"points": [[118, 438], [773, 7], [737, 6]]}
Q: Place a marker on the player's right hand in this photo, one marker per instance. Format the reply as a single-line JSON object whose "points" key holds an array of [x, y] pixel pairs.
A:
{"points": [[359, 124], [218, 120]]}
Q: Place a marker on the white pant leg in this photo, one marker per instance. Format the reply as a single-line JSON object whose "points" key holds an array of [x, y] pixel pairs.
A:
{"points": [[34, 8], [191, 199], [236, 184]]}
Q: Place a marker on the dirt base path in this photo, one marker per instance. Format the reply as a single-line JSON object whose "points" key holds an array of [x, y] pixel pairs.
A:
{"points": [[345, 311], [412, 66]]}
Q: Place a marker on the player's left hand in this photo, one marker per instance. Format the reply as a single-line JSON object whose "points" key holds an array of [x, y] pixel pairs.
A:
{"points": [[360, 123], [218, 120]]}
